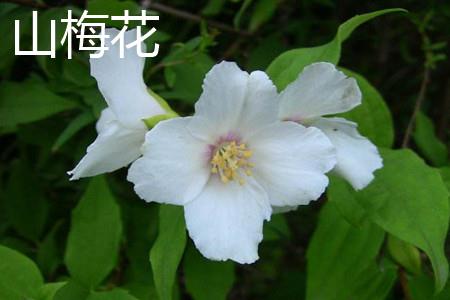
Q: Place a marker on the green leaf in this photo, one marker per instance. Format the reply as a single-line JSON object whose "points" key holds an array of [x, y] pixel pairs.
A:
{"points": [[19, 276], [206, 279], [44, 33], [372, 116], [161, 101], [264, 10], [405, 254], [409, 200], [237, 18], [277, 228], [142, 229], [338, 254], [48, 254], [7, 19], [94, 236], [48, 290], [375, 282], [113, 8], [213, 7], [428, 143], [74, 126], [93, 98], [187, 71], [445, 174], [24, 195], [152, 121], [286, 67], [290, 285], [76, 71], [116, 294], [72, 290], [264, 52], [52, 67], [342, 194], [166, 253], [27, 102], [421, 288]]}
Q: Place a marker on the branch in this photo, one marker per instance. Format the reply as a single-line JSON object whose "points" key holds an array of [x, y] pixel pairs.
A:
{"points": [[417, 106], [148, 4], [29, 3], [444, 121], [404, 283]]}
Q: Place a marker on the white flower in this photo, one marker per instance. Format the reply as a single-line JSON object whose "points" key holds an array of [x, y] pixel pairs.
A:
{"points": [[121, 131], [323, 90], [230, 162]]}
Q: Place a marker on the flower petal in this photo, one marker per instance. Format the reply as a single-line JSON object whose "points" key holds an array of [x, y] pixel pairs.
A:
{"points": [[106, 117], [219, 108], [290, 162], [260, 106], [319, 90], [226, 220], [174, 166], [121, 83], [115, 147], [357, 157], [283, 209]]}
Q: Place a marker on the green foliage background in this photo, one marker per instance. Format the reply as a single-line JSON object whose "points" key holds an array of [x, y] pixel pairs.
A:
{"points": [[94, 239]]}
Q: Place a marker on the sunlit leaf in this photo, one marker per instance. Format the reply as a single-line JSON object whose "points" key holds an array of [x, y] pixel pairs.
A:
{"points": [[409, 200], [372, 116], [286, 67], [338, 255], [19, 276]]}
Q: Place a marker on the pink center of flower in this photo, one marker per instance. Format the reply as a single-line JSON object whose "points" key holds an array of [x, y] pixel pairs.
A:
{"points": [[229, 159]]}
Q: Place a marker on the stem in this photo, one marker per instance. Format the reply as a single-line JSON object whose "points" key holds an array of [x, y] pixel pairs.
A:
{"points": [[148, 4], [404, 283], [190, 17], [444, 122], [417, 106], [30, 3]]}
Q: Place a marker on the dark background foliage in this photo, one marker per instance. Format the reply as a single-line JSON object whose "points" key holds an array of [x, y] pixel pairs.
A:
{"points": [[394, 52]]}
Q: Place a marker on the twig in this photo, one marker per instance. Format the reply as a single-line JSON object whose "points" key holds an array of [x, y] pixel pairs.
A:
{"points": [[162, 65], [404, 283], [444, 122], [235, 46], [417, 106], [29, 3], [146, 4], [191, 17]]}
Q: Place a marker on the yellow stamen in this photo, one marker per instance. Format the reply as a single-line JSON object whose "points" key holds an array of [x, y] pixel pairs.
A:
{"points": [[230, 162]]}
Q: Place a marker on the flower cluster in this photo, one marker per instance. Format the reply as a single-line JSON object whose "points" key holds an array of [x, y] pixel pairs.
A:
{"points": [[247, 152]]}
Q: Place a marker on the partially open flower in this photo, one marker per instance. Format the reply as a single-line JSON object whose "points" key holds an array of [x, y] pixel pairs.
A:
{"points": [[230, 162], [121, 131], [322, 90]]}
